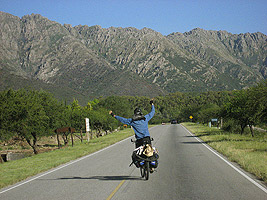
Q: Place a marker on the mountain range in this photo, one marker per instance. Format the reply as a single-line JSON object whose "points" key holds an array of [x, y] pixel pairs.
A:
{"points": [[87, 62]]}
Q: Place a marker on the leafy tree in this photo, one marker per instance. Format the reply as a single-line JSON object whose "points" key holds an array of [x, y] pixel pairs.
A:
{"points": [[26, 116], [101, 120], [53, 110], [88, 107], [239, 109], [94, 103], [119, 105], [77, 115], [207, 112], [257, 102], [6, 114]]}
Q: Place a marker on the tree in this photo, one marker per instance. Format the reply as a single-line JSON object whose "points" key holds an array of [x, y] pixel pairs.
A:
{"points": [[257, 102], [6, 114], [101, 120], [53, 110], [76, 115], [73, 116], [119, 105], [239, 109], [207, 112], [25, 116]]}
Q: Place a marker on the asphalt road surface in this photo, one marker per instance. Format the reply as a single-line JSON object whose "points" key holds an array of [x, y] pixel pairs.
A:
{"points": [[187, 170]]}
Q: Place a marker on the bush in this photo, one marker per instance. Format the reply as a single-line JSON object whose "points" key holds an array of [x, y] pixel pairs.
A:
{"points": [[231, 126]]}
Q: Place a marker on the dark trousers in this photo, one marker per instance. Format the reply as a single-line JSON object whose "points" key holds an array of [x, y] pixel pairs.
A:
{"points": [[142, 141]]}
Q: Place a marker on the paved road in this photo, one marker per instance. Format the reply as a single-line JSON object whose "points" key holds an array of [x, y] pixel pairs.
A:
{"points": [[187, 170]]}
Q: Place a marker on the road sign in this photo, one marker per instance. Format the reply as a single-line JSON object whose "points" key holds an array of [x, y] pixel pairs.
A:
{"points": [[87, 125], [191, 117]]}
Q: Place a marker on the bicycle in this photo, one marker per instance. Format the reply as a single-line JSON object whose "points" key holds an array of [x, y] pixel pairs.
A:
{"points": [[145, 163]]}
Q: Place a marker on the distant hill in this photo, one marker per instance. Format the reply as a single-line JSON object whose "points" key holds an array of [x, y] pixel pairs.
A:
{"points": [[88, 62]]}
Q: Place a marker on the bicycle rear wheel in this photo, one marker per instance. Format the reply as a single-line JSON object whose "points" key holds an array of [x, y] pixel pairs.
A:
{"points": [[142, 170], [146, 170]]}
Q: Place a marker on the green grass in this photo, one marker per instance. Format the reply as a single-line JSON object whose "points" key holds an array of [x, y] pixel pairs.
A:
{"points": [[249, 152], [14, 171]]}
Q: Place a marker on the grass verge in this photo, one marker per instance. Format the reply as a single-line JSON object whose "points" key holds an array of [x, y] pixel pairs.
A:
{"points": [[249, 152], [18, 170]]}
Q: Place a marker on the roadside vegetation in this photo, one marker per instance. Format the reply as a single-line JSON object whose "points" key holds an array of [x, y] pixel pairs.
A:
{"points": [[249, 152]]}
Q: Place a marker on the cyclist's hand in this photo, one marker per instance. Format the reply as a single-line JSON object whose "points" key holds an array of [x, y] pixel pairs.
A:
{"points": [[111, 113], [151, 101]]}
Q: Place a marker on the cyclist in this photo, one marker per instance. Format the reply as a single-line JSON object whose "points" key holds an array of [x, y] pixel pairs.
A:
{"points": [[139, 122]]}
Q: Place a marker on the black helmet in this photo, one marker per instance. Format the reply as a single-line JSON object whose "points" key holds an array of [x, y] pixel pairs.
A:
{"points": [[138, 111], [138, 115]]}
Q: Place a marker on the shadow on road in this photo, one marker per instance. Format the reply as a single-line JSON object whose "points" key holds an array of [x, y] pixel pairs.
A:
{"points": [[104, 178], [197, 142]]}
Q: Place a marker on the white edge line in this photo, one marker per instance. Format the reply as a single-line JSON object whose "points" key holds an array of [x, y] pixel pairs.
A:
{"points": [[230, 164], [64, 165]]}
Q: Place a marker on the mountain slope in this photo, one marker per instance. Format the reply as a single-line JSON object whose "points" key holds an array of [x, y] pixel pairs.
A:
{"points": [[95, 61], [37, 48], [244, 52]]}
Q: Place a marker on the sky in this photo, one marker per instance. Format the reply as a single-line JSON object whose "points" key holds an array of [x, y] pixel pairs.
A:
{"points": [[164, 16]]}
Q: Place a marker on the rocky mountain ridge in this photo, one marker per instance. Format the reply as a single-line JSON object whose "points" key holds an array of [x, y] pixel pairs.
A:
{"points": [[98, 61]]}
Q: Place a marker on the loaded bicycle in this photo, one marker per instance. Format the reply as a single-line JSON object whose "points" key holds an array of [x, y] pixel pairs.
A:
{"points": [[146, 158]]}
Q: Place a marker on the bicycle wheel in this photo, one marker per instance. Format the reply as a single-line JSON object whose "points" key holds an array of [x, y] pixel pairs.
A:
{"points": [[142, 170], [146, 170]]}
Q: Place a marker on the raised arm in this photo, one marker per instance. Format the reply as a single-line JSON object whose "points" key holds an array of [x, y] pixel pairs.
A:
{"points": [[121, 119], [151, 114]]}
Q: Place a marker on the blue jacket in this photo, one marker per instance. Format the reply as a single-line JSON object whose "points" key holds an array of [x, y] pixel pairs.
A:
{"points": [[140, 127]]}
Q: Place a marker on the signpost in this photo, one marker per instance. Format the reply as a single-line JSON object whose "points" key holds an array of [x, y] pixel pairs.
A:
{"points": [[87, 127], [214, 121]]}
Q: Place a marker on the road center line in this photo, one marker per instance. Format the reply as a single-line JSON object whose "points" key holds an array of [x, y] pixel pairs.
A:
{"points": [[230, 164], [116, 189]]}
